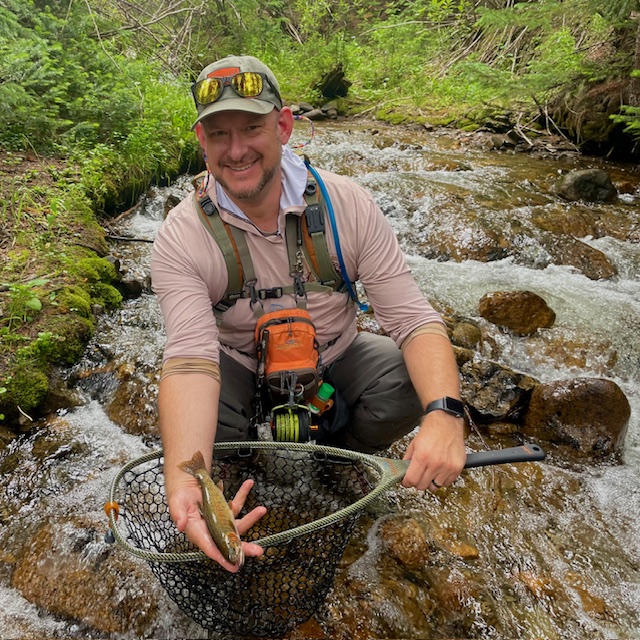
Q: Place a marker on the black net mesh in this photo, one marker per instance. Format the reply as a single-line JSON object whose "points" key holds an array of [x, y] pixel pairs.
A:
{"points": [[274, 593]]}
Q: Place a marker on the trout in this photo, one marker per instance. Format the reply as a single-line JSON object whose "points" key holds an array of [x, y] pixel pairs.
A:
{"points": [[216, 511]]}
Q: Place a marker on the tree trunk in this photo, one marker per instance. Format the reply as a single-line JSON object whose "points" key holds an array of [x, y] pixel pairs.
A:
{"points": [[634, 92]]}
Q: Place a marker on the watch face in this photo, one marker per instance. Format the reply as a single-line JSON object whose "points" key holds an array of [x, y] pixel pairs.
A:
{"points": [[454, 406], [450, 405]]}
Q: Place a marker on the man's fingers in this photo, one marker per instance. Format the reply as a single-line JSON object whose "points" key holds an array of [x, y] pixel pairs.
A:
{"points": [[241, 496], [251, 549], [245, 523]]}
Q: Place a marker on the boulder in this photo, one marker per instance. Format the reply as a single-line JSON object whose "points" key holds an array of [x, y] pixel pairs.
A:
{"points": [[522, 312], [466, 335], [494, 392], [405, 541], [568, 250], [590, 415], [590, 185]]}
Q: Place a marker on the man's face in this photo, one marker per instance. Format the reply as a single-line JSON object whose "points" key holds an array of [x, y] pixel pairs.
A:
{"points": [[244, 150]]}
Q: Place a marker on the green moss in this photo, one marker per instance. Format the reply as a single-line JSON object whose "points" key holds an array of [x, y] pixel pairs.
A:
{"points": [[63, 342], [74, 299], [26, 387], [391, 115], [96, 269], [106, 295]]}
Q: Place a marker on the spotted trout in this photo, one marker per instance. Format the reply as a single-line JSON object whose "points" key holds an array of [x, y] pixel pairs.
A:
{"points": [[216, 511]]}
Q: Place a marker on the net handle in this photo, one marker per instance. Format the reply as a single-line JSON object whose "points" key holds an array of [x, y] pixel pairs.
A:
{"points": [[392, 471]]}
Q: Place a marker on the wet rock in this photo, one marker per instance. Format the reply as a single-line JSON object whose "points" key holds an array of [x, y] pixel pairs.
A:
{"points": [[538, 585], [131, 289], [171, 201], [460, 549], [133, 404], [590, 415], [466, 335], [68, 573], [568, 250], [592, 604], [522, 312], [405, 542], [591, 185], [500, 428], [598, 356], [494, 392], [316, 114]]}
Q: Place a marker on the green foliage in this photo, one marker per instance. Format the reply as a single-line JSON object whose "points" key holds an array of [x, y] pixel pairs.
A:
{"points": [[24, 302], [629, 116], [84, 77]]}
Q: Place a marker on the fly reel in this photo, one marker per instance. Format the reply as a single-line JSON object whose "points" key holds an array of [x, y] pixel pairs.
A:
{"points": [[292, 423]]}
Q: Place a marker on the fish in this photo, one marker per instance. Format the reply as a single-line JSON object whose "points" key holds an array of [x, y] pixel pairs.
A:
{"points": [[216, 511]]}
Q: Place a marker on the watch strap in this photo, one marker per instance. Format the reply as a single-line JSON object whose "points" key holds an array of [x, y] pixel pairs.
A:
{"points": [[447, 404]]}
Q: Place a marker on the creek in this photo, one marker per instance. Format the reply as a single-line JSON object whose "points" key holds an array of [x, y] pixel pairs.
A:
{"points": [[556, 544]]}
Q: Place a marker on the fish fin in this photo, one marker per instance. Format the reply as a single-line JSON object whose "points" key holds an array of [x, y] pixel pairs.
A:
{"points": [[231, 505], [192, 466], [220, 486]]}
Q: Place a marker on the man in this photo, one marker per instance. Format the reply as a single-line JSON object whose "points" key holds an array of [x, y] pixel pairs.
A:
{"points": [[383, 384]]}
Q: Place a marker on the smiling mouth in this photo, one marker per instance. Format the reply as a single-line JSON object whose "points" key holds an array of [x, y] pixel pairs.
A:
{"points": [[240, 169]]}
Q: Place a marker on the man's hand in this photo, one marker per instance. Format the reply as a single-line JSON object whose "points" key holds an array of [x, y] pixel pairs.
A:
{"points": [[184, 506], [437, 452]]}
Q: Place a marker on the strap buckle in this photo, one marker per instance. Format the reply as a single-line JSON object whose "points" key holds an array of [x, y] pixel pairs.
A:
{"points": [[315, 218]]}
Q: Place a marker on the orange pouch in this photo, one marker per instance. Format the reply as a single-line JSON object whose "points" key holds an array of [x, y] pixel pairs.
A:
{"points": [[288, 349]]}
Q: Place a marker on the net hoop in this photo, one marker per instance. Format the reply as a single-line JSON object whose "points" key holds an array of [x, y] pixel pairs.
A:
{"points": [[391, 471]]}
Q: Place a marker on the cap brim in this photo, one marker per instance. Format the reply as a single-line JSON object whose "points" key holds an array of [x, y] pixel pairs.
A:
{"points": [[252, 105]]}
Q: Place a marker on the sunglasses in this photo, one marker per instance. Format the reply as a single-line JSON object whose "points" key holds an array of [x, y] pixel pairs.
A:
{"points": [[247, 84]]}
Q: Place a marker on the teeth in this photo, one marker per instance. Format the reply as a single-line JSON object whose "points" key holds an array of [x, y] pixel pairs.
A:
{"points": [[240, 168]]}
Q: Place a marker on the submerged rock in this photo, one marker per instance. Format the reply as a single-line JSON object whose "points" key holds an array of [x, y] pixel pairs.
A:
{"points": [[67, 572], [590, 415]]}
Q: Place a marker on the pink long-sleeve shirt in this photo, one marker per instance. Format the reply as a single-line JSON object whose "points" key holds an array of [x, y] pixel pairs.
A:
{"points": [[189, 275]]}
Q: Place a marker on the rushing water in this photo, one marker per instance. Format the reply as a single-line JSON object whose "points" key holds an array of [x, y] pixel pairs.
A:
{"points": [[422, 176]]}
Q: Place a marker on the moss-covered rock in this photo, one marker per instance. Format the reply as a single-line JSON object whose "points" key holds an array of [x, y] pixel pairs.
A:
{"points": [[26, 389]]}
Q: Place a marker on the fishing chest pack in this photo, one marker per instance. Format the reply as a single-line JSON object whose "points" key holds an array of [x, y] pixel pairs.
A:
{"points": [[288, 353]]}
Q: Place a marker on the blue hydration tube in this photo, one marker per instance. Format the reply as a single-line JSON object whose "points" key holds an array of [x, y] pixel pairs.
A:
{"points": [[334, 228]]}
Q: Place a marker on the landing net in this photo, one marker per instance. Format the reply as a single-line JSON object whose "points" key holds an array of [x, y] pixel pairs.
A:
{"points": [[314, 496]]}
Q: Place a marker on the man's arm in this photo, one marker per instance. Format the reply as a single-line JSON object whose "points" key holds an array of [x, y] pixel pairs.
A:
{"points": [[437, 452], [188, 409]]}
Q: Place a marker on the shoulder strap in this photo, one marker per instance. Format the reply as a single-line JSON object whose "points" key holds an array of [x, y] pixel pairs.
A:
{"points": [[233, 246], [315, 238]]}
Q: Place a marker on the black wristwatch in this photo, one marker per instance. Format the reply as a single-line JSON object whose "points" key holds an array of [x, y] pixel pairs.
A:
{"points": [[450, 405]]}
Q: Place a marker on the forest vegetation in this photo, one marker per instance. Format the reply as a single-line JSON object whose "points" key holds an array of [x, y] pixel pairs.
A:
{"points": [[95, 106]]}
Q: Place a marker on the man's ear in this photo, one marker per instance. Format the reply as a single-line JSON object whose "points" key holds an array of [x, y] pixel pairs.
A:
{"points": [[200, 134], [285, 124]]}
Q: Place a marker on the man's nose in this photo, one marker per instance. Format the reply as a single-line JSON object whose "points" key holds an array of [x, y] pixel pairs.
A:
{"points": [[237, 145]]}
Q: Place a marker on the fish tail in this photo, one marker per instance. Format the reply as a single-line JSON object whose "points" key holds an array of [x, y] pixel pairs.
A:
{"points": [[192, 466]]}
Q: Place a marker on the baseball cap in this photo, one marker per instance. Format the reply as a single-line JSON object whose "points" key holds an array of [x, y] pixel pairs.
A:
{"points": [[229, 99]]}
